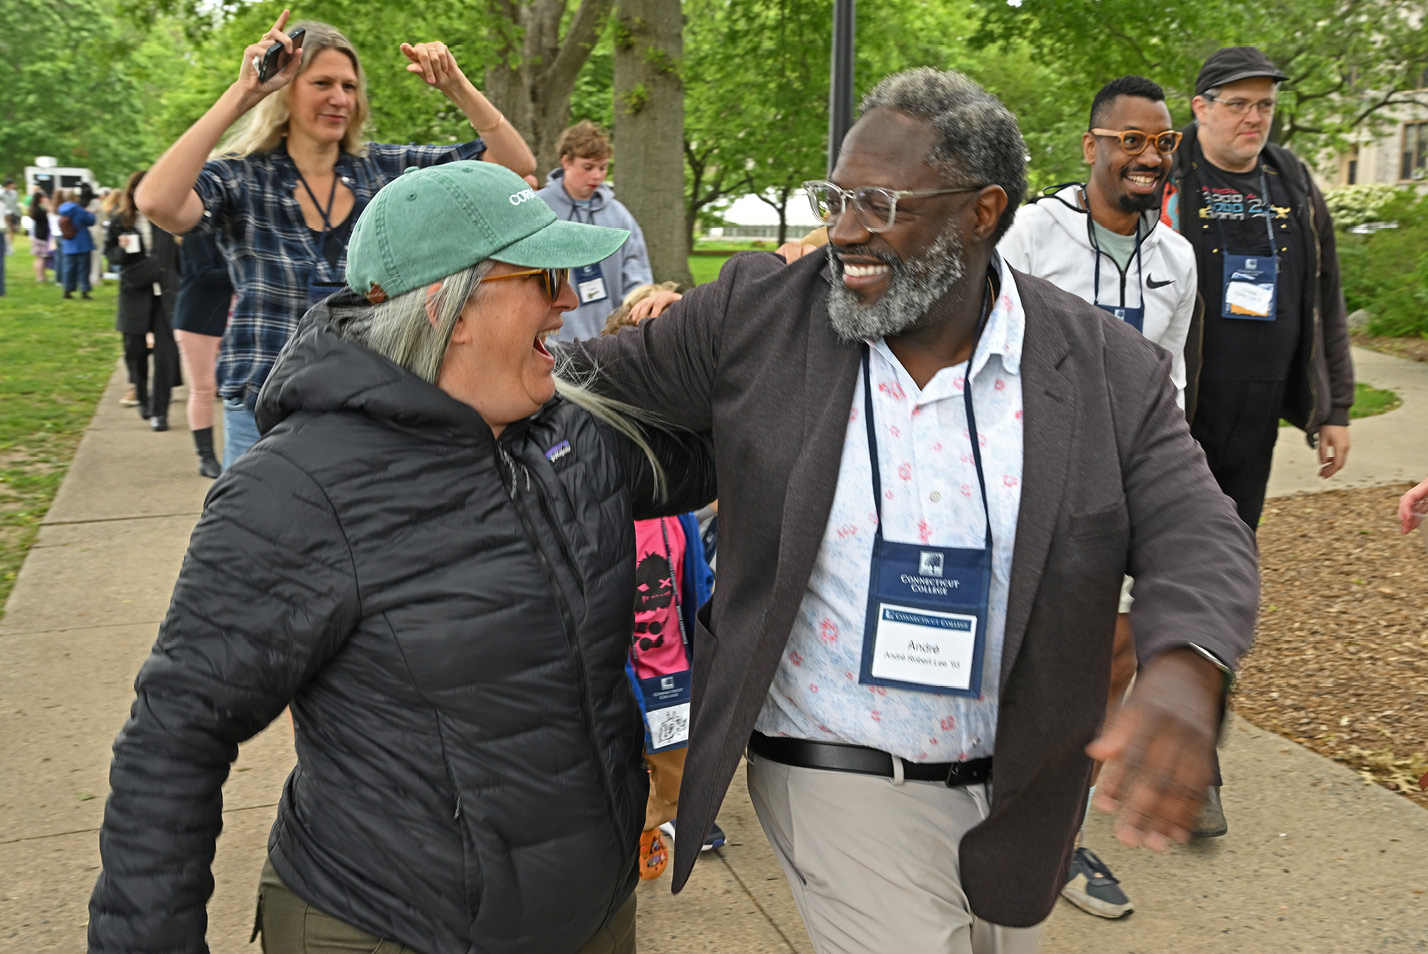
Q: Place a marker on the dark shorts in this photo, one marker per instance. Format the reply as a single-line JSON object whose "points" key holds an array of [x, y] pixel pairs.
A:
{"points": [[289, 925]]}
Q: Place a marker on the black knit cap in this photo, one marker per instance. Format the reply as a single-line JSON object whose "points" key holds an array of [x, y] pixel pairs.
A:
{"points": [[1235, 63]]}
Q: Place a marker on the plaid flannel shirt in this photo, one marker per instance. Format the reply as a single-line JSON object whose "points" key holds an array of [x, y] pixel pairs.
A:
{"points": [[272, 253]]}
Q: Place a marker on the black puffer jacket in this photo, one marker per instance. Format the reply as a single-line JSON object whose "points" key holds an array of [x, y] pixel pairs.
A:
{"points": [[449, 616]]}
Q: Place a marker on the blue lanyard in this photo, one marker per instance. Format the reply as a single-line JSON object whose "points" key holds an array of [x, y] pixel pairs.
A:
{"points": [[971, 423]]}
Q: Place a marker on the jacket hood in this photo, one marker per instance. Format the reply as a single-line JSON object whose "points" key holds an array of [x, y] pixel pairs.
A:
{"points": [[321, 372], [555, 182], [1066, 207]]}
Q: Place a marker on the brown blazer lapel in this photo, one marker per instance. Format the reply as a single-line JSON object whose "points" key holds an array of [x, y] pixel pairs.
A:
{"points": [[1049, 416], [830, 374]]}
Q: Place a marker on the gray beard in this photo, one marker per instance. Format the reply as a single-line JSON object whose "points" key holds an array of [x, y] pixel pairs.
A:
{"points": [[913, 288]]}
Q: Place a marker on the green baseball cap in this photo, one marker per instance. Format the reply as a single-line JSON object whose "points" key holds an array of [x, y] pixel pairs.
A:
{"points": [[432, 222]]}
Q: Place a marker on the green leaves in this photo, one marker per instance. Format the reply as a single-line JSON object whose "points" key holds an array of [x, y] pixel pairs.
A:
{"points": [[1348, 60], [72, 88]]}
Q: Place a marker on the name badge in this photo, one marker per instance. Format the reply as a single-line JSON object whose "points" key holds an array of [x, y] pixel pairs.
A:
{"points": [[1249, 287], [924, 647], [927, 611], [1135, 317], [317, 291], [666, 701], [590, 284]]}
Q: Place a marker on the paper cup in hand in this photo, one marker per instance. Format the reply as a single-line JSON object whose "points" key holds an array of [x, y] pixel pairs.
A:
{"points": [[130, 243]]}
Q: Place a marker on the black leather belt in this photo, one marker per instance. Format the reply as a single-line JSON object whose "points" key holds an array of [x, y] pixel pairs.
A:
{"points": [[836, 757]]}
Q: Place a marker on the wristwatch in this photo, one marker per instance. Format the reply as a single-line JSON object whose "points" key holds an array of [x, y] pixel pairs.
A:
{"points": [[1226, 673]]}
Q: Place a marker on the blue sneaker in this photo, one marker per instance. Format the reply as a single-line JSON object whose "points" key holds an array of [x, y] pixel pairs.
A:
{"points": [[715, 838], [1092, 888]]}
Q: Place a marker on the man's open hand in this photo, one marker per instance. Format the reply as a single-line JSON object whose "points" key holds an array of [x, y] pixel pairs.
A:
{"points": [[1159, 750]]}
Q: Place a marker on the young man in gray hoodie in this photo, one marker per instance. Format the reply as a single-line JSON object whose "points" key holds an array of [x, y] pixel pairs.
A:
{"points": [[577, 192]]}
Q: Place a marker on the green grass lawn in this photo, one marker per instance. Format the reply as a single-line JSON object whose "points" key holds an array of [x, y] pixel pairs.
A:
{"points": [[57, 356], [705, 268], [1369, 400]]}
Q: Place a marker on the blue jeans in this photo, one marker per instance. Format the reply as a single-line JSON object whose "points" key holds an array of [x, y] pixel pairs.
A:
{"points": [[74, 271], [240, 430]]}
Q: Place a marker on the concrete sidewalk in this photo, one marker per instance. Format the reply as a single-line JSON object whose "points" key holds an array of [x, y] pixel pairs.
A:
{"points": [[1315, 862]]}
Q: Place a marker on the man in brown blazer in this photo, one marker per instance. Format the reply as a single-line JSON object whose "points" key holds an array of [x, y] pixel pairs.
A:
{"points": [[933, 474]]}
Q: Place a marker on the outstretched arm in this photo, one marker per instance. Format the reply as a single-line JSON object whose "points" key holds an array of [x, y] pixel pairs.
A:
{"points": [[434, 63], [1196, 585], [167, 194]]}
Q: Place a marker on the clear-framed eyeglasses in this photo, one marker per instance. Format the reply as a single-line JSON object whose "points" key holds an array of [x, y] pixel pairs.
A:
{"points": [[1239, 107], [874, 206]]}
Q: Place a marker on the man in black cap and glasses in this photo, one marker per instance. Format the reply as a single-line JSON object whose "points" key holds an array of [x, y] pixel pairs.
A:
{"points": [[1275, 340]]}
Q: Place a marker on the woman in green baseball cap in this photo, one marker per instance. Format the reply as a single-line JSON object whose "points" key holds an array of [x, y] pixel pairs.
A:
{"points": [[428, 559]]}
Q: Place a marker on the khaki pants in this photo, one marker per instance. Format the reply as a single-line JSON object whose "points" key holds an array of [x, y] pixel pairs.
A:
{"points": [[872, 864], [290, 925]]}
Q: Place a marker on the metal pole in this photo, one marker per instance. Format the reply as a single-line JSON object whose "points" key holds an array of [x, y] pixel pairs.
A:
{"points": [[840, 86]]}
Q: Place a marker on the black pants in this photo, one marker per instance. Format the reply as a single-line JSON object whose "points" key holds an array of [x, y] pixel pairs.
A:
{"points": [[1237, 423], [166, 363]]}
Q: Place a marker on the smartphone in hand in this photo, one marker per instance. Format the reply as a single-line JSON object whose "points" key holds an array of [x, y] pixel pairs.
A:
{"points": [[277, 58]]}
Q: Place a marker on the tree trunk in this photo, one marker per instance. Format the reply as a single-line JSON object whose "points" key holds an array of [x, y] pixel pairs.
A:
{"points": [[779, 203], [535, 69], [649, 129]]}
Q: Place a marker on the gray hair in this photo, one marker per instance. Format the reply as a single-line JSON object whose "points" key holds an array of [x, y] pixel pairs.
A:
{"points": [[403, 331], [978, 137]]}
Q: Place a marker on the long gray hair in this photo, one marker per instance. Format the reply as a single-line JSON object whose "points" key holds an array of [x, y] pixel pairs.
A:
{"points": [[413, 330]]}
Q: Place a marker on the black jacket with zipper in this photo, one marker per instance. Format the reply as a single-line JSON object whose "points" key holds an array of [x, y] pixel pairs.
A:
{"points": [[1320, 388], [448, 615]]}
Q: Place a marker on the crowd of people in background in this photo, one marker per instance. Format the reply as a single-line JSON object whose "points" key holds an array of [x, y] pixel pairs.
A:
{"points": [[336, 295]]}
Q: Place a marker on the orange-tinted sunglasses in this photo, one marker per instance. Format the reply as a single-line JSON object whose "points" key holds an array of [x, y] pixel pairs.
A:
{"points": [[552, 279]]}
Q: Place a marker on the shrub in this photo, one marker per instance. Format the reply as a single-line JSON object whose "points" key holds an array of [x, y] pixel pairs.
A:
{"points": [[1386, 272], [1359, 204]]}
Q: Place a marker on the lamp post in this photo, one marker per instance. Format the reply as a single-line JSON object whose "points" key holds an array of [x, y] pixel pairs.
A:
{"points": [[840, 86]]}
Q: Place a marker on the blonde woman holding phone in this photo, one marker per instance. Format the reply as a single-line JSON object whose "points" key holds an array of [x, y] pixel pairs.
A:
{"points": [[288, 180]]}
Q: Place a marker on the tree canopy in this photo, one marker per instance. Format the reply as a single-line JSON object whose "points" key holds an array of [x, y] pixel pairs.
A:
{"points": [[1348, 61], [110, 83]]}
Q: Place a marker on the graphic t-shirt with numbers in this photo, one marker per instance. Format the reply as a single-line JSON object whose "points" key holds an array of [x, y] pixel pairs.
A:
{"points": [[1232, 216]]}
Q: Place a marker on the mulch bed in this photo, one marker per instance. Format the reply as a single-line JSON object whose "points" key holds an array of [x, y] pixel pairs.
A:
{"points": [[1340, 664]]}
